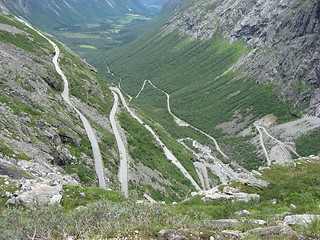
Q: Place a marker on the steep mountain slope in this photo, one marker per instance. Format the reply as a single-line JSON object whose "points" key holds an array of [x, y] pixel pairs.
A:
{"points": [[284, 38], [42, 138], [172, 5], [37, 127], [225, 64], [54, 13]]}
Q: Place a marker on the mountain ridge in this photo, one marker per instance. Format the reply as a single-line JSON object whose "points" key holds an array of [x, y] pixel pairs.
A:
{"points": [[51, 14], [288, 33]]}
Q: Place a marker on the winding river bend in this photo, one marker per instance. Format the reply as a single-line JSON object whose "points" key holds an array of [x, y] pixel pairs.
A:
{"points": [[98, 163]]}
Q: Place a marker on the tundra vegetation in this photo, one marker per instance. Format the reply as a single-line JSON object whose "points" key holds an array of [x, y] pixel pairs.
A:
{"points": [[96, 213]]}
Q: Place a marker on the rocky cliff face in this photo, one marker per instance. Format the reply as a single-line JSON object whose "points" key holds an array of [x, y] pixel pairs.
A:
{"points": [[283, 37]]}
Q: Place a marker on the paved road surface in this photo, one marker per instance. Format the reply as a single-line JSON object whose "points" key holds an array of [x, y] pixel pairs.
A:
{"points": [[123, 169], [167, 152], [98, 163]]}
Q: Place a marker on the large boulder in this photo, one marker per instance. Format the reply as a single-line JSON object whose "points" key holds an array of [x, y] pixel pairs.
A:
{"points": [[228, 193], [242, 213], [224, 223], [228, 235], [246, 197], [171, 235], [41, 194], [216, 196], [230, 190]]}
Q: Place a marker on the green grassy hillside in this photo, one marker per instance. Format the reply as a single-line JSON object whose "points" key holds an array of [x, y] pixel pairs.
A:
{"points": [[202, 90], [144, 149]]}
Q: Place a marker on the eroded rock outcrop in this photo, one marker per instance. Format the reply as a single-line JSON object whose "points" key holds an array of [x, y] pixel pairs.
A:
{"points": [[228, 193]]}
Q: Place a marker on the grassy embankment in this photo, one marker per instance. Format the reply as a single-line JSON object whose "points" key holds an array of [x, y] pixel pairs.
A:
{"points": [[144, 148]]}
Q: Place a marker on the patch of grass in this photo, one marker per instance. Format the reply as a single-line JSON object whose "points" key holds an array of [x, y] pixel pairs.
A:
{"points": [[212, 210], [75, 196], [7, 151], [298, 186], [18, 107], [23, 41], [311, 230], [241, 149], [4, 99], [292, 185], [29, 87], [309, 144], [144, 148], [11, 187], [85, 172], [78, 35]]}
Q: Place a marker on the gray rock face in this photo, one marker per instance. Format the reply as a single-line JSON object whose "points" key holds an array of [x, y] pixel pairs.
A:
{"points": [[283, 35], [302, 219], [282, 231], [244, 197], [224, 223], [242, 213], [229, 234], [42, 194], [171, 235]]}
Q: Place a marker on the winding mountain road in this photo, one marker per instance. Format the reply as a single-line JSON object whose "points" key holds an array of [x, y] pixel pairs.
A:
{"points": [[98, 163], [167, 152], [123, 168], [262, 144], [282, 146], [224, 172], [179, 121]]}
